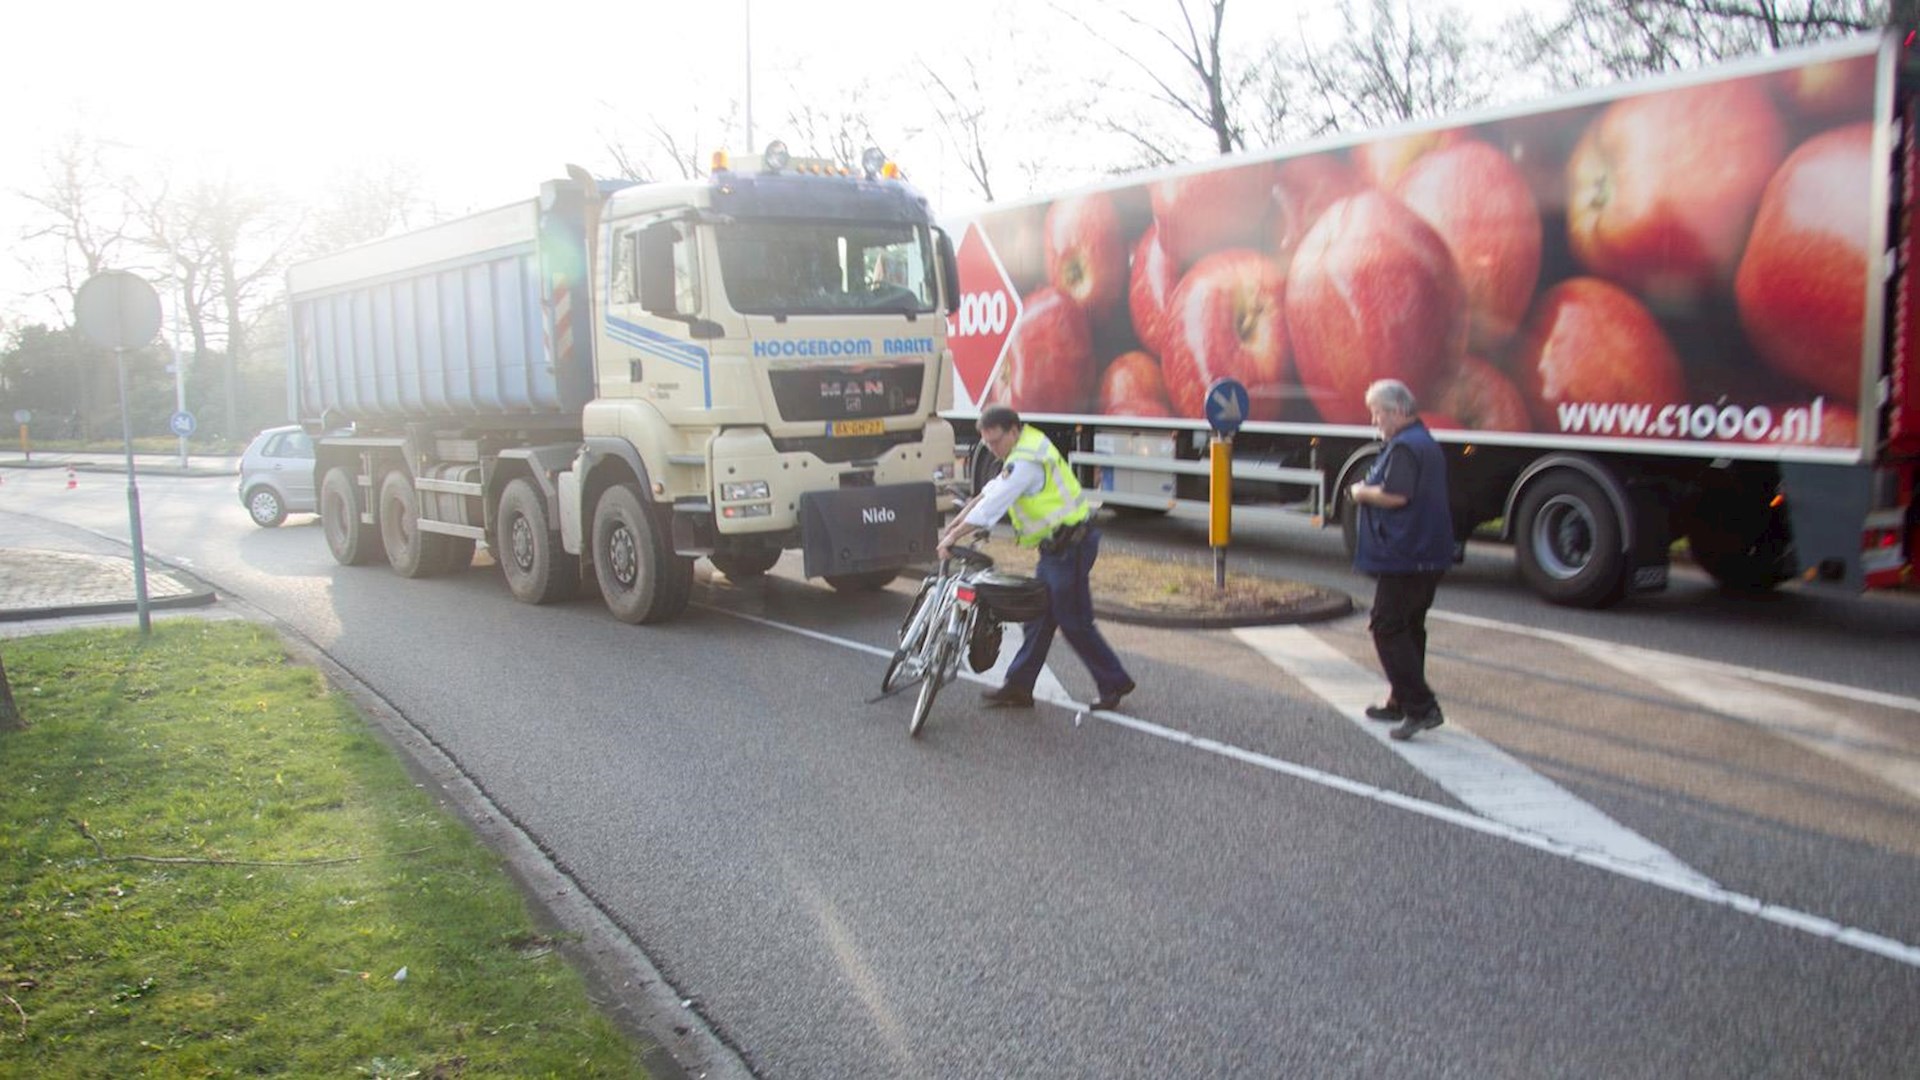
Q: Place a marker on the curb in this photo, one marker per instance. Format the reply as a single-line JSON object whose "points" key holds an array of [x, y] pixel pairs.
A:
{"points": [[1323, 606], [199, 597]]}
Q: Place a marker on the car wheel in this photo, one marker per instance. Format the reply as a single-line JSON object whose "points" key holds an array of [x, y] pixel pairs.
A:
{"points": [[265, 507]]}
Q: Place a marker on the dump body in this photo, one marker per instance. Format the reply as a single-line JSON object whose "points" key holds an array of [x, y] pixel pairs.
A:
{"points": [[1691, 289]]}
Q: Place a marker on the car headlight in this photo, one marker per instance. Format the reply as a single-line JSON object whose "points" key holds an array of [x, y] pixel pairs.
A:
{"points": [[740, 491]]}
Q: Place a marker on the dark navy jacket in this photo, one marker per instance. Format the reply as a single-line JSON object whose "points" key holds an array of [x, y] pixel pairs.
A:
{"points": [[1417, 537]]}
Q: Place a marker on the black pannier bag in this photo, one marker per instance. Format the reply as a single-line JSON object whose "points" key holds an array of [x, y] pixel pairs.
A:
{"points": [[1010, 597]]}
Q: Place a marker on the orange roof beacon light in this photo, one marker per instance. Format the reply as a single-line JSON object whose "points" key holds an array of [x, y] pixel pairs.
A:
{"points": [[720, 162]]}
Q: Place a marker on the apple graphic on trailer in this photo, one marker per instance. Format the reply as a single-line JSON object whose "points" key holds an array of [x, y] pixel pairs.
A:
{"points": [[1480, 397], [1662, 188], [1152, 279], [1205, 212], [1133, 386], [1303, 188], [1086, 256], [1589, 341], [1373, 295], [1802, 285], [1481, 205], [1228, 321], [1049, 363]]}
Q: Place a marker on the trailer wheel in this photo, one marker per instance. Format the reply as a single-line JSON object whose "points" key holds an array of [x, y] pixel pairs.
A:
{"points": [[1568, 542], [640, 577], [536, 569], [745, 563], [1748, 559], [864, 581], [350, 539], [982, 466], [413, 554]]}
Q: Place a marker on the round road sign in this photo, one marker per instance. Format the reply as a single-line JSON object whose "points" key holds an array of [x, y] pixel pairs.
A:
{"points": [[117, 309], [1227, 404], [22, 416], [181, 423]]}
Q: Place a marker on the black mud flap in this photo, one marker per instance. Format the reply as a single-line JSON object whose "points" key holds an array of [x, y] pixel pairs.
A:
{"points": [[853, 530]]}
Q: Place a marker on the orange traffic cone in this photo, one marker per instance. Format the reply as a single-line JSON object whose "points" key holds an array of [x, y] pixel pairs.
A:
{"points": [[73, 478]]}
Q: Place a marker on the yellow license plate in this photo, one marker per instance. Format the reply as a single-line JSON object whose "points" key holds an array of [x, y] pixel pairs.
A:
{"points": [[857, 427]]}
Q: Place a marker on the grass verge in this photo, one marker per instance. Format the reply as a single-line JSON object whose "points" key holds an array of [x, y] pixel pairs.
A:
{"points": [[209, 865]]}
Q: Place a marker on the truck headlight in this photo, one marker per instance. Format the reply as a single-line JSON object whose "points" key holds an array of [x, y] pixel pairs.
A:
{"points": [[741, 491]]}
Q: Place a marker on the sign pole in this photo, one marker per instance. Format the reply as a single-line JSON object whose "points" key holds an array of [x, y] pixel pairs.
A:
{"points": [[118, 310], [1220, 505], [133, 499]]}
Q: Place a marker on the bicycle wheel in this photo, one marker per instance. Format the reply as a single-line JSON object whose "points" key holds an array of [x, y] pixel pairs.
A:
{"points": [[943, 653], [912, 631]]}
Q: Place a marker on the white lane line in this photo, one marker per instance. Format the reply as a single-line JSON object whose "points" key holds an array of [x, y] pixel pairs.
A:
{"points": [[1469, 768], [1736, 697], [1635, 655], [1804, 922]]}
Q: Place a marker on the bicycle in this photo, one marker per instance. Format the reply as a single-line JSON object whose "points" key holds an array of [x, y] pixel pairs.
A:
{"points": [[946, 613]]}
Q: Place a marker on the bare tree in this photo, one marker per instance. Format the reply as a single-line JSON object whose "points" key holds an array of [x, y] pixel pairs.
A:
{"points": [[1596, 41], [963, 117], [1399, 61], [1211, 84], [366, 204], [667, 151], [839, 131], [225, 244]]}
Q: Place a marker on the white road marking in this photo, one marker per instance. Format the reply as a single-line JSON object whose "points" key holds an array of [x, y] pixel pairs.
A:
{"points": [[1469, 768], [1636, 655], [1737, 697], [1804, 922]]}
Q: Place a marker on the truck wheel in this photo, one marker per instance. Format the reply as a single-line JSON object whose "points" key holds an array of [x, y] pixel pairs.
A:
{"points": [[414, 554], [744, 564], [1747, 559], [982, 466], [537, 570], [865, 581], [1568, 542], [640, 577], [350, 539]]}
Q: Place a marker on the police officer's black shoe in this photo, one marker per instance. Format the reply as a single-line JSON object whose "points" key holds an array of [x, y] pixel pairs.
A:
{"points": [[1413, 725], [1391, 712], [1110, 700], [1008, 697]]}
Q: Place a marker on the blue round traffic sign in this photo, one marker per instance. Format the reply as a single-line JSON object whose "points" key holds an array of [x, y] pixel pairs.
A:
{"points": [[182, 423], [1227, 404]]}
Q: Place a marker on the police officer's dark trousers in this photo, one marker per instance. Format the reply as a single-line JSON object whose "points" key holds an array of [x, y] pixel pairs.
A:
{"points": [[1070, 610]]}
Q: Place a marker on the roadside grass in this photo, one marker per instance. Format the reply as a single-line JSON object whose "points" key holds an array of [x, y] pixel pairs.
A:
{"points": [[209, 865], [142, 444]]}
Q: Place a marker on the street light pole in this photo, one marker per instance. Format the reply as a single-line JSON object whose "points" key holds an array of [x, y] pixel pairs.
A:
{"points": [[748, 149], [133, 499]]}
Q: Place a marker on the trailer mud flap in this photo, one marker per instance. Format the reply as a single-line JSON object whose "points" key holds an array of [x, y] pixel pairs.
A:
{"points": [[873, 528]]}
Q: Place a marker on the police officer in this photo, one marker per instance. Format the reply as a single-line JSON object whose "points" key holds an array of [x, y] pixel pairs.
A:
{"points": [[1405, 539], [1048, 511]]}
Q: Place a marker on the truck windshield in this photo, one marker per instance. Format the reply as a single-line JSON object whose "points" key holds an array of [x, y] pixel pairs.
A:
{"points": [[826, 267]]}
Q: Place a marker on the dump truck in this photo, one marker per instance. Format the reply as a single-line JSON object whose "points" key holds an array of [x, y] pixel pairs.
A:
{"points": [[1671, 315], [611, 380]]}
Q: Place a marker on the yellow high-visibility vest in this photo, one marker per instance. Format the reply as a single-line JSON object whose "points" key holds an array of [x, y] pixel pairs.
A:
{"points": [[1059, 502]]}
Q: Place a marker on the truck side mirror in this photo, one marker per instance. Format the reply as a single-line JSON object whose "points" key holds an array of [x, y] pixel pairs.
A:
{"points": [[949, 269], [656, 268]]}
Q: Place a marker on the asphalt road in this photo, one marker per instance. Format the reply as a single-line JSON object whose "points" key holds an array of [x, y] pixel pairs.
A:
{"points": [[1239, 880]]}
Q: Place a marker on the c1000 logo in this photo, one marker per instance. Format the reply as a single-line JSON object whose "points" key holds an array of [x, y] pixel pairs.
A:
{"points": [[982, 313]]}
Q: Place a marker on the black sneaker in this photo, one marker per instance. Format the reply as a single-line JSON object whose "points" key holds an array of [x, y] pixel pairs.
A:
{"points": [[1008, 697], [1110, 700], [1413, 725], [1390, 712]]}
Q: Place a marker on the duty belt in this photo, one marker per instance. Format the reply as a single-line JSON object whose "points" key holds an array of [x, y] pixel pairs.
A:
{"points": [[1066, 537]]}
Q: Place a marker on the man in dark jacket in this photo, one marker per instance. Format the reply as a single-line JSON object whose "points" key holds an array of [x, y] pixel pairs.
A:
{"points": [[1405, 539]]}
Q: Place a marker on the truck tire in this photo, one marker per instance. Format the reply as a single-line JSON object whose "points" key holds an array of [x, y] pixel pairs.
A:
{"points": [[744, 564], [351, 540], [640, 577], [864, 581], [537, 570], [412, 553], [982, 466], [1748, 560], [1567, 542]]}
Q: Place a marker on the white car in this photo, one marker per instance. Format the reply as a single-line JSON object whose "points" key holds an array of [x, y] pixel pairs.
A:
{"points": [[276, 475]]}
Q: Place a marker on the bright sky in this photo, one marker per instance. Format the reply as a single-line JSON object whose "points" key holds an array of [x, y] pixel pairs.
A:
{"points": [[485, 99]]}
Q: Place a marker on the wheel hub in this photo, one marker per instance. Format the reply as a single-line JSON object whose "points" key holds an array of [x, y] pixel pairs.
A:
{"points": [[620, 552]]}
